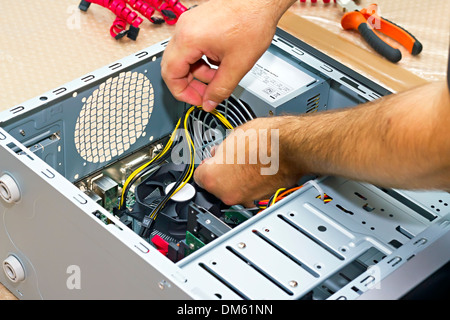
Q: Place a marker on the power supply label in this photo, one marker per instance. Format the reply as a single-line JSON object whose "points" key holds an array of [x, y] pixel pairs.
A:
{"points": [[272, 78]]}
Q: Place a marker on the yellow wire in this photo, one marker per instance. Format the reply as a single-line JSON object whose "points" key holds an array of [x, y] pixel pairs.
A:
{"points": [[138, 170], [276, 195], [191, 165], [192, 152], [222, 119]]}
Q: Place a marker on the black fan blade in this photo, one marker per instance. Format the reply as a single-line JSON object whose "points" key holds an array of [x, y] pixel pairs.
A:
{"points": [[208, 201]]}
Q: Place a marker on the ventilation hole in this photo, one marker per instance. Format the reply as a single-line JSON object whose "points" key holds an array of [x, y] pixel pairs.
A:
{"points": [[312, 103], [141, 54], [88, 78], [59, 91], [343, 209], [115, 66], [314, 98], [359, 195], [395, 243], [114, 117], [17, 109]]}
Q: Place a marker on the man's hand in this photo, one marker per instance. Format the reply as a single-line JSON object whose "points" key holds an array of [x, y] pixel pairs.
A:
{"points": [[398, 141], [231, 34], [248, 165]]}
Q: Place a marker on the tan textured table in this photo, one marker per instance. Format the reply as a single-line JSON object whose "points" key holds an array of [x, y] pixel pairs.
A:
{"points": [[47, 45]]}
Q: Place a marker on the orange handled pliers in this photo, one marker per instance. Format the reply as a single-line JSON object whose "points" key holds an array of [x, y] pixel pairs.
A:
{"points": [[367, 20]]}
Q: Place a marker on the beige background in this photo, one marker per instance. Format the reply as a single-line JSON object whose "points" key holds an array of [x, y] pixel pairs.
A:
{"points": [[44, 45]]}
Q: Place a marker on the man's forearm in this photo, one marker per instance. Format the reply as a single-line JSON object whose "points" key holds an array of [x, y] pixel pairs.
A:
{"points": [[398, 141]]}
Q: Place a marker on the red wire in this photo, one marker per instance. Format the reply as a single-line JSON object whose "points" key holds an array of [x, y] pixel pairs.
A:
{"points": [[143, 8], [118, 26], [146, 8], [120, 9]]}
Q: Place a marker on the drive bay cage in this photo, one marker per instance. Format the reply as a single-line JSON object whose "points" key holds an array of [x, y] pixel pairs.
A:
{"points": [[66, 157]]}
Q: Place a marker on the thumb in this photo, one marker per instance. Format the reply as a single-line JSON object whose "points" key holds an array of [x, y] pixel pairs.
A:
{"points": [[225, 80], [201, 175], [204, 175]]}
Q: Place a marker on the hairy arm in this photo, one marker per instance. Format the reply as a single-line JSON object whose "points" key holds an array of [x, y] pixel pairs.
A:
{"points": [[400, 141]]}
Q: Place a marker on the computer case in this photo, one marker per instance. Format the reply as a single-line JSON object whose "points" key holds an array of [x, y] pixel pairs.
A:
{"points": [[65, 154]]}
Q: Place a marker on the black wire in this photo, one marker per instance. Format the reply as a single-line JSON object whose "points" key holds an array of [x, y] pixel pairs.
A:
{"points": [[269, 203], [150, 167], [146, 230], [142, 173]]}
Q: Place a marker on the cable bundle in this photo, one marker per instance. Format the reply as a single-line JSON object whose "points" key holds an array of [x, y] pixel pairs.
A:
{"points": [[162, 157], [277, 196]]}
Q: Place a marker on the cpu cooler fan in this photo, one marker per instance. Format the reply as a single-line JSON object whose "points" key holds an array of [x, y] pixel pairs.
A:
{"points": [[169, 216], [172, 218]]}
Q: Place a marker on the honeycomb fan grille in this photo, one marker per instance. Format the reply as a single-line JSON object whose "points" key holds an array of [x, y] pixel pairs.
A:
{"points": [[114, 117]]}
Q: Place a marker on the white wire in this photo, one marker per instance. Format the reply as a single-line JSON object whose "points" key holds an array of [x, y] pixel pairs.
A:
{"points": [[317, 187]]}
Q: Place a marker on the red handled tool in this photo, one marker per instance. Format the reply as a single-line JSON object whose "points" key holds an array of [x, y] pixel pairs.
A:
{"points": [[367, 20]]}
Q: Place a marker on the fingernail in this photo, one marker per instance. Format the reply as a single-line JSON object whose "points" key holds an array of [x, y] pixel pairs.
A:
{"points": [[209, 105]]}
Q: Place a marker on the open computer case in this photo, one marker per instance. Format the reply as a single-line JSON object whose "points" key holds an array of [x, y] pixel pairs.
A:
{"points": [[65, 156]]}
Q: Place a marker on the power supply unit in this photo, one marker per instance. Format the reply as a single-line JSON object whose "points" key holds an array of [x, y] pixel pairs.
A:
{"points": [[76, 201]]}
